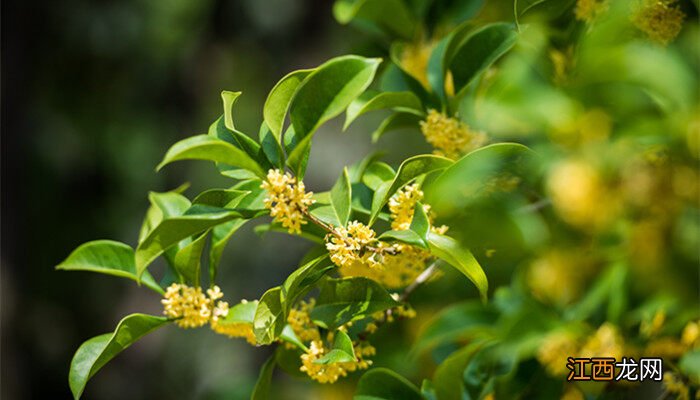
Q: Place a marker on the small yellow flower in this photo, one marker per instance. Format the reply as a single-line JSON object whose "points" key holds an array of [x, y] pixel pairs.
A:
{"points": [[660, 20], [330, 373], [402, 206], [300, 322], [555, 350], [414, 60], [606, 342], [589, 10], [350, 244], [450, 137], [287, 199], [235, 330], [691, 334], [675, 385], [192, 308], [579, 195]]}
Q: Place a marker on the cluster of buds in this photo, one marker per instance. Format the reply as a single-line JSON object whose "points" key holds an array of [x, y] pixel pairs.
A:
{"points": [[287, 199]]}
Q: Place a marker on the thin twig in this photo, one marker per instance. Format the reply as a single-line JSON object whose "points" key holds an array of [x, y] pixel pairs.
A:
{"points": [[420, 279]]}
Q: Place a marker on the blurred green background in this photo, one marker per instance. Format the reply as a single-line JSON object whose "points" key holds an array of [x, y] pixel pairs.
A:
{"points": [[93, 94]]}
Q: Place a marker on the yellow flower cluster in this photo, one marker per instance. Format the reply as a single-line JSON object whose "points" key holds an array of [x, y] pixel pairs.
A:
{"points": [[449, 136], [579, 195], [558, 346], [674, 384], [673, 348], [349, 246], [606, 342], [329, 373], [589, 10], [287, 199], [398, 270], [660, 20], [555, 350], [555, 278], [300, 322], [414, 60], [192, 308], [233, 329]]}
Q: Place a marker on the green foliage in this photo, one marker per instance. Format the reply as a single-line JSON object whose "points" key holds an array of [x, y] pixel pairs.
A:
{"points": [[562, 248], [96, 352]]}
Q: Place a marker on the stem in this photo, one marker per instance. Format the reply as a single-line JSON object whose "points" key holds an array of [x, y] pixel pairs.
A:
{"points": [[420, 279]]}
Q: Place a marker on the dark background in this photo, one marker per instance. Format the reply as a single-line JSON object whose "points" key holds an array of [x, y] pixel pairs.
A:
{"points": [[93, 94]]}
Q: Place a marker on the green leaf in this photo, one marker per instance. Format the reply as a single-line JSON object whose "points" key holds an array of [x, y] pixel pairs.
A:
{"points": [[385, 384], [408, 237], [298, 282], [349, 299], [452, 252], [107, 257], [448, 380], [689, 364], [342, 350], [324, 94], [240, 313], [162, 205], [290, 337], [341, 198], [188, 260], [553, 8], [410, 169], [372, 101], [279, 99], [261, 391], [441, 56], [172, 230], [395, 122], [271, 147], [222, 198], [269, 317], [479, 51], [420, 224], [205, 147], [255, 200], [389, 16], [376, 174], [96, 352], [455, 323], [357, 170], [229, 98], [219, 238], [459, 184]]}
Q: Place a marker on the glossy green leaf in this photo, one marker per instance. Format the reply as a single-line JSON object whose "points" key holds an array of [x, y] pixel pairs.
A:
{"points": [[373, 101], [269, 317], [392, 17], [222, 198], [385, 384], [290, 337], [396, 78], [243, 312], [261, 391], [205, 147], [107, 257], [349, 299], [460, 184], [452, 252], [341, 198], [479, 51], [442, 54], [358, 169], [298, 282], [553, 8], [454, 323], [395, 122], [377, 173], [229, 98], [324, 94], [420, 224], [188, 260], [279, 99], [255, 199], [163, 205], [409, 170], [96, 352], [172, 230], [220, 236], [271, 147], [448, 381], [342, 350], [406, 236]]}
